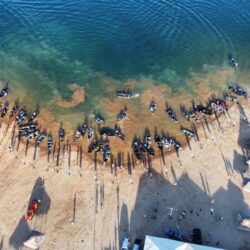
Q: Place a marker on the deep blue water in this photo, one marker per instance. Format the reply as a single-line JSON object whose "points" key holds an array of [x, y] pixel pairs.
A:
{"points": [[48, 44]]}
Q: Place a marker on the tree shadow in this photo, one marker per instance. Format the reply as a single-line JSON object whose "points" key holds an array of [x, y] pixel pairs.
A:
{"points": [[23, 229]]}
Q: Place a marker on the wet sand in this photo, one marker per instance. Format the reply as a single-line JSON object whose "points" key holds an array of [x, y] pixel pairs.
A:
{"points": [[200, 87], [78, 97]]}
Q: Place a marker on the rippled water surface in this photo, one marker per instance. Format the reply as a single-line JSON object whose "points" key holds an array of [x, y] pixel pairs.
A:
{"points": [[45, 45]]}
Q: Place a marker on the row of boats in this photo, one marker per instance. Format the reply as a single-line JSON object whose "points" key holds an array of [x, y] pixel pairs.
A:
{"points": [[213, 105], [29, 128], [165, 141], [27, 125]]}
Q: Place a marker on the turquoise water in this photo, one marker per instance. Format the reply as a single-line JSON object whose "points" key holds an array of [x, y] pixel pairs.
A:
{"points": [[45, 45]]}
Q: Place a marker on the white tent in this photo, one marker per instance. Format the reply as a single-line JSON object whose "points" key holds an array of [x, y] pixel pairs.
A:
{"points": [[155, 243]]}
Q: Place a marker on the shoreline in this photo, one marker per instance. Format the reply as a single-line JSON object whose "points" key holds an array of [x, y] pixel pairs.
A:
{"points": [[120, 159]]}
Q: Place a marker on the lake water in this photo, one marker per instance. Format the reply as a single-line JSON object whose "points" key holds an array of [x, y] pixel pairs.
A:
{"points": [[107, 45]]}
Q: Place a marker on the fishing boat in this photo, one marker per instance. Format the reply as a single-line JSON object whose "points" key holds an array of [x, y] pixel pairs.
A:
{"points": [[238, 90], [231, 98], [99, 119], [184, 112], [106, 152], [203, 110], [33, 115], [233, 62], [90, 133], [5, 109], [188, 133], [119, 133], [21, 116], [4, 91], [137, 150], [49, 143], [158, 142], [40, 138], [147, 143], [93, 145], [84, 129], [152, 106], [61, 133], [194, 116], [77, 134], [32, 134], [122, 114], [124, 93], [14, 110], [107, 131], [171, 114], [217, 105]]}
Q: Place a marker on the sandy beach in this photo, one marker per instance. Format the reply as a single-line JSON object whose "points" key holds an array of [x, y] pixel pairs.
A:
{"points": [[90, 206]]}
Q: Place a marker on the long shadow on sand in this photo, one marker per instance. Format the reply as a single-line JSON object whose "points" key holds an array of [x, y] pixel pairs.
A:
{"points": [[23, 228], [152, 208]]}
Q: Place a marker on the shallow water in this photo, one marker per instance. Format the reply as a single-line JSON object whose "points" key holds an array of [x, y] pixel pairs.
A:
{"points": [[109, 45]]}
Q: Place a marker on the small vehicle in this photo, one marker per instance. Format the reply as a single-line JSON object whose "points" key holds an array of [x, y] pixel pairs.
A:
{"points": [[137, 244], [196, 235], [32, 209], [173, 234], [125, 243]]}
